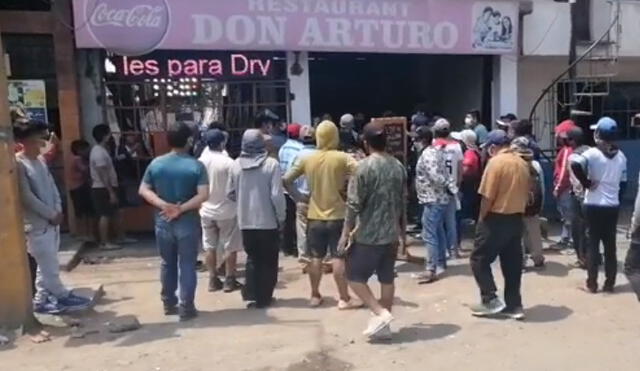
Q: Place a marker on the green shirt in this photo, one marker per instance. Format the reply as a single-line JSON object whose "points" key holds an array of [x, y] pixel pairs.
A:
{"points": [[175, 179], [376, 198]]}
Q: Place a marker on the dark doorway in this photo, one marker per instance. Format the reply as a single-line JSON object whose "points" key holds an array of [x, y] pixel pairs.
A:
{"points": [[378, 83]]}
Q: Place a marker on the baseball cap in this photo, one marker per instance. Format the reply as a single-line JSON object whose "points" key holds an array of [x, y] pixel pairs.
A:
{"points": [[606, 128], [214, 137], [293, 130], [346, 119], [372, 130], [419, 119], [496, 137], [442, 124], [564, 127]]}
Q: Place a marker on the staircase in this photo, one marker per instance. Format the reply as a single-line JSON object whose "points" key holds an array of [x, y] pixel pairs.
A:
{"points": [[578, 95]]}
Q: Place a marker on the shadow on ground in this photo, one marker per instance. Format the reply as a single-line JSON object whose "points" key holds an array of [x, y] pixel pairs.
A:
{"points": [[421, 332], [547, 313]]}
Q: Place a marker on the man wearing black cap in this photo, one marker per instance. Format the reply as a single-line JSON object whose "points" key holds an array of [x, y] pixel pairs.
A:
{"points": [[504, 189], [376, 201]]}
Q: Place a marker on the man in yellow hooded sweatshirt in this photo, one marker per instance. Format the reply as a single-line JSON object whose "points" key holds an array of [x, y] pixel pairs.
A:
{"points": [[327, 172]]}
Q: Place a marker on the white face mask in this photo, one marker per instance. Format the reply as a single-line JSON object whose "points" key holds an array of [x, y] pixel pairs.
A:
{"points": [[468, 121]]}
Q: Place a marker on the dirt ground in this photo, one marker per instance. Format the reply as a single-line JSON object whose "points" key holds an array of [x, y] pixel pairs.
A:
{"points": [[566, 329]]}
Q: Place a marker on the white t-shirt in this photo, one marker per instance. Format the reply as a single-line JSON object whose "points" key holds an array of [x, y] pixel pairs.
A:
{"points": [[454, 158], [608, 173], [219, 167], [100, 158]]}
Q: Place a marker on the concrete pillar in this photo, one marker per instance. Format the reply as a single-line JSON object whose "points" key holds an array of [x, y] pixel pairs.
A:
{"points": [[90, 84], [505, 86], [301, 103]]}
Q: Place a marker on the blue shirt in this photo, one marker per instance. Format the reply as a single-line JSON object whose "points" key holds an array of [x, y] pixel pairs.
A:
{"points": [[481, 133], [288, 153], [302, 185], [175, 179]]}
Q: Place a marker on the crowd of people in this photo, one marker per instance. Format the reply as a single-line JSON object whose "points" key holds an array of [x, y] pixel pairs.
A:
{"points": [[332, 196]]}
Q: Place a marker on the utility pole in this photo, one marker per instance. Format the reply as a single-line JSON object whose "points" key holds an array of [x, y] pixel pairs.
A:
{"points": [[15, 283]]}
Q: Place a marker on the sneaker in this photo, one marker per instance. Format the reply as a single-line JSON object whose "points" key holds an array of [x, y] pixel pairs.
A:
{"points": [[231, 284], [353, 303], [516, 313], [425, 277], [495, 306], [74, 302], [109, 247], [315, 302], [607, 288], [383, 335], [377, 323], [48, 308], [170, 310], [187, 314], [215, 284]]}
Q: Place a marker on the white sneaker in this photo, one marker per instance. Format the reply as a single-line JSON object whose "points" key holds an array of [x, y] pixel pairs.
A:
{"points": [[110, 246], [377, 323], [353, 303], [385, 334]]}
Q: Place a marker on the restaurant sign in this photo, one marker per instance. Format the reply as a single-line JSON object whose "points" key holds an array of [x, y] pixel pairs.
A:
{"points": [[386, 26]]}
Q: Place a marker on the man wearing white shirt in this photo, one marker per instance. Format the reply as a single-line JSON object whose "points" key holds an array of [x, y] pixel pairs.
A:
{"points": [[605, 182], [221, 237]]}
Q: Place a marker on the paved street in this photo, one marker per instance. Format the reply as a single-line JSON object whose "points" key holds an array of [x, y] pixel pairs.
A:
{"points": [[566, 329]]}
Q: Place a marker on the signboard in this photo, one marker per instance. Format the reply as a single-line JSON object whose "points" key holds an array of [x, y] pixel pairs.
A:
{"points": [[136, 27], [29, 97], [396, 129], [208, 65]]}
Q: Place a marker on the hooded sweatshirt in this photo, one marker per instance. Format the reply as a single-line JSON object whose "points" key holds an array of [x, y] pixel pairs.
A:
{"points": [[256, 187], [327, 172], [561, 174]]}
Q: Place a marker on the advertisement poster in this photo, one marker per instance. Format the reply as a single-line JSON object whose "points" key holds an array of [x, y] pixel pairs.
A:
{"points": [[29, 97]]}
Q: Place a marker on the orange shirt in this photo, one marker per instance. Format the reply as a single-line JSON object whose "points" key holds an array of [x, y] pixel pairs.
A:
{"points": [[506, 183]]}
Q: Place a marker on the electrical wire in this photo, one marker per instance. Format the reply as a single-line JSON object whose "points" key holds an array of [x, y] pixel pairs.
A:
{"points": [[61, 18]]}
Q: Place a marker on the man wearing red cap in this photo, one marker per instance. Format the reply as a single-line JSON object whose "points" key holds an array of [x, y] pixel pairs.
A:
{"points": [[288, 152], [562, 181]]}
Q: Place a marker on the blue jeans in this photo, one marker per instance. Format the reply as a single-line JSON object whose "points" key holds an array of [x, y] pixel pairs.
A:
{"points": [[566, 213], [451, 224], [434, 236], [178, 243]]}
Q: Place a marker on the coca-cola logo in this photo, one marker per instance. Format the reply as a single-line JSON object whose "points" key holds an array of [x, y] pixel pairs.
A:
{"points": [[128, 27]]}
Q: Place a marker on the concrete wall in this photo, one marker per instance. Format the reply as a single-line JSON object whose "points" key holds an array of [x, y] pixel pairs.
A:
{"points": [[547, 30]]}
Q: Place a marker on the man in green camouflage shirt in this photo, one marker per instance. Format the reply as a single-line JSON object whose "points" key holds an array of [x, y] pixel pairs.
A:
{"points": [[375, 207]]}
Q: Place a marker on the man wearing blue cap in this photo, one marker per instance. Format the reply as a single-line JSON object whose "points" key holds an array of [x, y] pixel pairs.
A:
{"points": [[504, 188], [221, 237], [604, 182]]}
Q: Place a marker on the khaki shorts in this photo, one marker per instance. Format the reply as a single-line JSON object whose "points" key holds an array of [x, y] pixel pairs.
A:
{"points": [[221, 235]]}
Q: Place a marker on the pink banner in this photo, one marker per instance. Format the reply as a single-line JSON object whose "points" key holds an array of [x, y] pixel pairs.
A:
{"points": [[384, 26]]}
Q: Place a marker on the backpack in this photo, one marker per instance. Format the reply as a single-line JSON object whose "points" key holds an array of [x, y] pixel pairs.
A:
{"points": [[536, 194]]}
